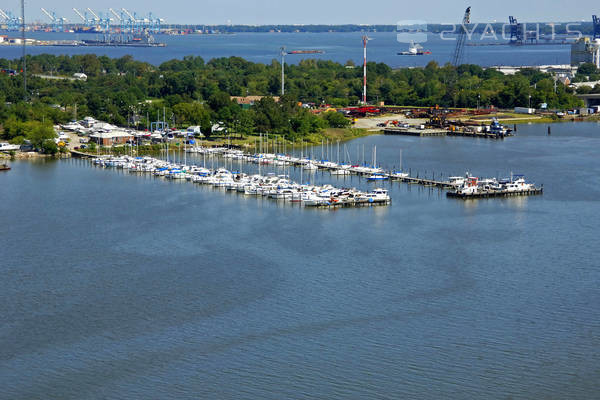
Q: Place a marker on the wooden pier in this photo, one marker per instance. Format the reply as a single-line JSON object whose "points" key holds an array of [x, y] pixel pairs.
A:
{"points": [[79, 154], [495, 193], [423, 181]]}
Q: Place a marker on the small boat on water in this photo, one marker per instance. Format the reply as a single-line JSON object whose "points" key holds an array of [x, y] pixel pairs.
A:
{"points": [[4, 167]]}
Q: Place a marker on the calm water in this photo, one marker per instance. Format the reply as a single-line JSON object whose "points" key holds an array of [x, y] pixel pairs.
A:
{"points": [[340, 47], [122, 287]]}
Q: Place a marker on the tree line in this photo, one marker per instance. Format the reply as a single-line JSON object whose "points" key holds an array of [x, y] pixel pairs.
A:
{"points": [[191, 91]]}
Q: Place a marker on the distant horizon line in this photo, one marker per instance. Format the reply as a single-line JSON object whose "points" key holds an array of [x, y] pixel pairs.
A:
{"points": [[165, 23]]}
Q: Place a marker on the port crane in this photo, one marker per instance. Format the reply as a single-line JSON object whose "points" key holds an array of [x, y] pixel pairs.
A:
{"points": [[132, 22], [104, 23], [460, 41], [154, 23], [120, 18], [12, 23], [284, 53], [86, 21], [57, 23]]}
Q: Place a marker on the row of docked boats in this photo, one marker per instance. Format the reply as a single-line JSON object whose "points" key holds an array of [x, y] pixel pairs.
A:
{"points": [[473, 187], [460, 186], [373, 172], [277, 187]]}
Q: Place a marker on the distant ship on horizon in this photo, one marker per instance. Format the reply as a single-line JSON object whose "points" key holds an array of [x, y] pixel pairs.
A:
{"points": [[414, 49]]}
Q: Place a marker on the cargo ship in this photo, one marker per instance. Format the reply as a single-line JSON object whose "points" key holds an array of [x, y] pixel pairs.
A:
{"points": [[143, 40]]}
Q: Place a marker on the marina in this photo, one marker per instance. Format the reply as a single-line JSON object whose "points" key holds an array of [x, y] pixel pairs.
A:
{"points": [[276, 185], [144, 259]]}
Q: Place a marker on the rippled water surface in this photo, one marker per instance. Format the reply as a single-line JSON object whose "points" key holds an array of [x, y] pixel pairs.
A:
{"points": [[340, 47], [120, 286]]}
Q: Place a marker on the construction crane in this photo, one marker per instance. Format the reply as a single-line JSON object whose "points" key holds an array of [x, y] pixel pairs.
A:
{"points": [[460, 41], [293, 52], [516, 31], [596, 22]]}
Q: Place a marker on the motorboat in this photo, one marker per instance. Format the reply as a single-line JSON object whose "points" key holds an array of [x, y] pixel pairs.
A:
{"points": [[377, 177]]}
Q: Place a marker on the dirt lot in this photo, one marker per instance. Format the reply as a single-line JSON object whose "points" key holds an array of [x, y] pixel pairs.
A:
{"points": [[370, 123]]}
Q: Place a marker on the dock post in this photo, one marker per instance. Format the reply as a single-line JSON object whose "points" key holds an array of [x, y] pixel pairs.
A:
{"points": [[514, 127], [549, 130]]}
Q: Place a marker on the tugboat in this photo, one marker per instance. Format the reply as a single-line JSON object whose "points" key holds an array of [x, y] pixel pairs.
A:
{"points": [[496, 128], [414, 49]]}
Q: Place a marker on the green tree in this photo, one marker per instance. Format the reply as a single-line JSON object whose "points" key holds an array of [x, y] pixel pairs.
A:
{"points": [[336, 120]]}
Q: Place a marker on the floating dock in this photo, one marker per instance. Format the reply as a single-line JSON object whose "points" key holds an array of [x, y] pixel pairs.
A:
{"points": [[415, 132], [440, 132]]}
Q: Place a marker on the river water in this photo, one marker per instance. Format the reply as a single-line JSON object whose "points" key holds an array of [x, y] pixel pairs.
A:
{"points": [[117, 286], [340, 47]]}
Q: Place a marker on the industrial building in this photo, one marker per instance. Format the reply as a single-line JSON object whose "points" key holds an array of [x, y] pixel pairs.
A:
{"points": [[585, 50]]}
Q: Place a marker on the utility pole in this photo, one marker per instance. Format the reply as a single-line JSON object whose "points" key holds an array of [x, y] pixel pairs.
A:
{"points": [[283, 53], [24, 51], [365, 41]]}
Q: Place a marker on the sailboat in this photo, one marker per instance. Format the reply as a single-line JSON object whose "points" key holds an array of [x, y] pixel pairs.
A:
{"points": [[399, 174], [376, 176]]}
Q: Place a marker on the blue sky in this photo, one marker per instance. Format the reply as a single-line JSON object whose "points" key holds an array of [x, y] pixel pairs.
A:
{"points": [[322, 12]]}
